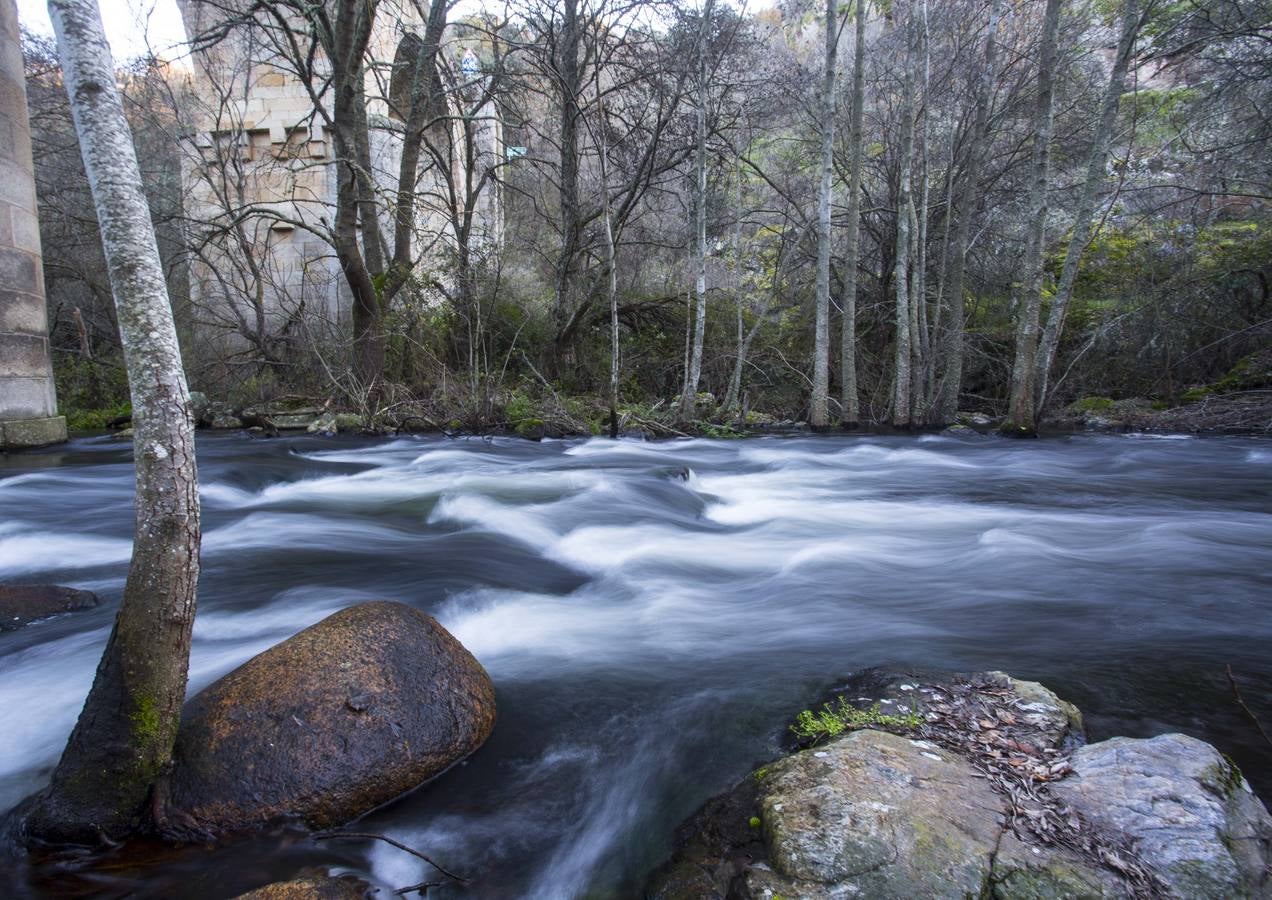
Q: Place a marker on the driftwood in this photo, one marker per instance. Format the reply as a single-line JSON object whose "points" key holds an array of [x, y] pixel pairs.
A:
{"points": [[369, 835]]}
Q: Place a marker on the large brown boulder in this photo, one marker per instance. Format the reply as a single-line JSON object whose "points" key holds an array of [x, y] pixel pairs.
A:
{"points": [[364, 706], [21, 604]]}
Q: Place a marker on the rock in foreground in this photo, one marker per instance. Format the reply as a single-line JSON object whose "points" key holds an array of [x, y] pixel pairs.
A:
{"points": [[21, 604], [316, 886], [1013, 808], [1191, 816], [353, 711]]}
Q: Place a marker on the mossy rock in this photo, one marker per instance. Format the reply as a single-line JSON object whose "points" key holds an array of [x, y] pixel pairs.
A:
{"points": [[1090, 404], [531, 429]]}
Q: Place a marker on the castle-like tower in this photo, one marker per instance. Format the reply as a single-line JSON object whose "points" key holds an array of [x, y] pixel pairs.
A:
{"points": [[259, 174]]}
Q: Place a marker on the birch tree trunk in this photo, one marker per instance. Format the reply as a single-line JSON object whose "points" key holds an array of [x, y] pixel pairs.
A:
{"points": [[901, 397], [919, 336], [817, 416], [1022, 419], [611, 265], [968, 198], [1084, 216], [850, 412], [122, 743], [693, 373]]}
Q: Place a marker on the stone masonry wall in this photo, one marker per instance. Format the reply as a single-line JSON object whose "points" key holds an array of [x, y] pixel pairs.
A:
{"points": [[28, 405]]}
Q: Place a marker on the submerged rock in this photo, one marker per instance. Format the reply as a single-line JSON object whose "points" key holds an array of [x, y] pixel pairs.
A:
{"points": [[324, 424], [1191, 815], [353, 711], [21, 604], [315, 886], [225, 421]]}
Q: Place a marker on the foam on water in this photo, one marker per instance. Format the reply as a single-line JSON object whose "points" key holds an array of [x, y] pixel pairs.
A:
{"points": [[650, 612]]}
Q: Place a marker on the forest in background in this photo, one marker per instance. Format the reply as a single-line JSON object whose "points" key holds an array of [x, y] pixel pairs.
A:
{"points": [[824, 213]]}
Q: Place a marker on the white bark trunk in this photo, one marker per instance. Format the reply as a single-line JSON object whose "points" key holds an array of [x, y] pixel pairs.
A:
{"points": [[817, 416], [693, 372], [123, 739], [901, 397], [850, 414]]}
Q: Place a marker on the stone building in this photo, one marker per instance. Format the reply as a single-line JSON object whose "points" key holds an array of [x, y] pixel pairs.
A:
{"points": [[28, 404], [256, 142]]}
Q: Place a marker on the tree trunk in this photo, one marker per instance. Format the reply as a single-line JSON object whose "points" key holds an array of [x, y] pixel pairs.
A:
{"points": [[850, 413], [920, 338], [1084, 216], [968, 199], [1022, 412], [817, 416], [693, 373], [568, 69], [122, 743], [901, 397]]}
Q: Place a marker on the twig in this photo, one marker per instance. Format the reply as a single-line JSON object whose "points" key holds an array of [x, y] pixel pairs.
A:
{"points": [[422, 887], [1236, 693], [324, 835]]}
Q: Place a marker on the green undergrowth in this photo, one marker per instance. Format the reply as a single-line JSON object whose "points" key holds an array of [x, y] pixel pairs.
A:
{"points": [[95, 419], [835, 718]]}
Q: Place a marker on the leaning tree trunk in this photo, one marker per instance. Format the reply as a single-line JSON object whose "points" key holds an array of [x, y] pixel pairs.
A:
{"points": [[1022, 416], [968, 200], [122, 743], [817, 416], [850, 414], [1084, 217]]}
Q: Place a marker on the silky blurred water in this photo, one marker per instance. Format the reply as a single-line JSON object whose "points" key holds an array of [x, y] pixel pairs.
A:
{"points": [[651, 613]]}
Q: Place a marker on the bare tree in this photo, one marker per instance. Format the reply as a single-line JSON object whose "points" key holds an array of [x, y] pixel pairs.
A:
{"points": [[965, 211], [850, 411], [693, 372], [122, 742], [818, 416], [1022, 412], [1132, 21]]}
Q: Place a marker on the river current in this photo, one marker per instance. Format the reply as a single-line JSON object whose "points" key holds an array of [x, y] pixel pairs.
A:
{"points": [[652, 613]]}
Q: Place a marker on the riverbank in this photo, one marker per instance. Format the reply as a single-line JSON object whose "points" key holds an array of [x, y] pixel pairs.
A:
{"points": [[1238, 413]]}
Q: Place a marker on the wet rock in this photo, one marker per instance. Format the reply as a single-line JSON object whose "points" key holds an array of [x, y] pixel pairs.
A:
{"points": [[877, 815], [925, 813], [349, 421], [353, 711], [21, 604], [124, 434], [1056, 722], [199, 406], [302, 421], [1030, 872], [225, 421], [1192, 816], [324, 424], [316, 886]]}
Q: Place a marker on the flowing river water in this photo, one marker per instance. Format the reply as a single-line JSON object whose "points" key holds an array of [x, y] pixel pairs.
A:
{"points": [[651, 613]]}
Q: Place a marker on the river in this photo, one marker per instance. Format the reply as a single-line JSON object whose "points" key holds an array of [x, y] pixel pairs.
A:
{"points": [[651, 613]]}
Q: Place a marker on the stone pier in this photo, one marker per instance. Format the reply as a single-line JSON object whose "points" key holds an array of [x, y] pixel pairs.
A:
{"points": [[28, 404]]}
